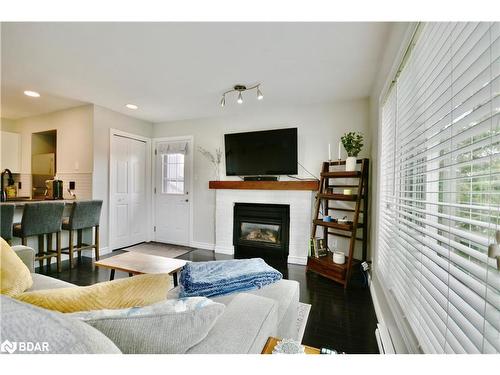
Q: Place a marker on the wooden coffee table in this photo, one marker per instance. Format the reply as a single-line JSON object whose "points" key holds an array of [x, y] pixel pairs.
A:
{"points": [[137, 264], [272, 341]]}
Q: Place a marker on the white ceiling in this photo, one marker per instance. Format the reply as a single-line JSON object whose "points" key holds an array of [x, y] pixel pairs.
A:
{"points": [[179, 70]]}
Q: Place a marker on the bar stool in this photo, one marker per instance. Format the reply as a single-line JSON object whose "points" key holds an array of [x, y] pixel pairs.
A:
{"points": [[6, 220], [84, 215], [40, 219]]}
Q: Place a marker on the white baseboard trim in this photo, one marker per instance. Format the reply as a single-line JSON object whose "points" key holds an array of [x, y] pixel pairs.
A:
{"points": [[203, 245], [297, 260], [224, 250], [91, 253]]}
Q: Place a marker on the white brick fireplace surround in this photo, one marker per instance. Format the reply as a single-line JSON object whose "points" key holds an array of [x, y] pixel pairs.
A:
{"points": [[300, 201]]}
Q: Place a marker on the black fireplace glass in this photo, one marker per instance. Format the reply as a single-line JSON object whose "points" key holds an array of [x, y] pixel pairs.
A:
{"points": [[268, 233]]}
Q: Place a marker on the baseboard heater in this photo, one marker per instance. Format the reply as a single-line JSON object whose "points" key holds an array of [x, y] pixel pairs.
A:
{"points": [[384, 340]]}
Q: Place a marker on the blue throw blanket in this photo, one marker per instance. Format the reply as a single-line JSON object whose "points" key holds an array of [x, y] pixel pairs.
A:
{"points": [[216, 278]]}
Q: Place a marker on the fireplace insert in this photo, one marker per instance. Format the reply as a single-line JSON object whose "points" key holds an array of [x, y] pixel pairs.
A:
{"points": [[261, 230]]}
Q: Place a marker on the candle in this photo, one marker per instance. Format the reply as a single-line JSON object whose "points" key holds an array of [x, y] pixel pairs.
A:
{"points": [[340, 145], [329, 152]]}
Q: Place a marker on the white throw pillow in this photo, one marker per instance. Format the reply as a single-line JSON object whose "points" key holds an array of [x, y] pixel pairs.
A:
{"points": [[168, 327]]}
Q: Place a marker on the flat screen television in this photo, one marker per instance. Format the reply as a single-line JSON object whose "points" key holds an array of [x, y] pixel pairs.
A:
{"points": [[261, 153]]}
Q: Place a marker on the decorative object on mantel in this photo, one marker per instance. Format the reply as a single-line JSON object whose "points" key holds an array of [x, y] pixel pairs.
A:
{"points": [[240, 89], [214, 159], [353, 143]]}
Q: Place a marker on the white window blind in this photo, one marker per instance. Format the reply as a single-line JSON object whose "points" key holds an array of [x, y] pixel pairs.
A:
{"points": [[440, 188]]}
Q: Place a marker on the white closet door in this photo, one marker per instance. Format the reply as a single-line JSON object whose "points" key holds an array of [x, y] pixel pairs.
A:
{"points": [[128, 192]]}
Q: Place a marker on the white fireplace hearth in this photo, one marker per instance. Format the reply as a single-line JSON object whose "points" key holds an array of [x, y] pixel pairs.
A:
{"points": [[300, 202]]}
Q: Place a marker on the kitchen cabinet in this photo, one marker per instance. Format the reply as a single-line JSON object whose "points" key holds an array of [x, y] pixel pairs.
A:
{"points": [[11, 151]]}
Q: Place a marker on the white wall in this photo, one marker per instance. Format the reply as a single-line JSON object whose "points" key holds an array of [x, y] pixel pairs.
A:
{"points": [[318, 126], [104, 120], [74, 138], [74, 147], [8, 125]]}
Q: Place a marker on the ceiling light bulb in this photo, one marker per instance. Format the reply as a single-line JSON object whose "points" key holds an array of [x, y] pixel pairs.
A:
{"points": [[131, 106], [223, 101], [259, 94], [33, 94], [240, 98]]}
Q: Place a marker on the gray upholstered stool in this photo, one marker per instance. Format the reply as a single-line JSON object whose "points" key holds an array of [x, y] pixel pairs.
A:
{"points": [[6, 221], [40, 219], [84, 215]]}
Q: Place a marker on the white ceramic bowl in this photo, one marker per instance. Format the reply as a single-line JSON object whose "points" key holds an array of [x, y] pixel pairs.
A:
{"points": [[338, 257]]}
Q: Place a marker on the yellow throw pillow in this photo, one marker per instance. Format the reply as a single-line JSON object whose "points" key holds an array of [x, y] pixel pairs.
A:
{"points": [[15, 277], [141, 290]]}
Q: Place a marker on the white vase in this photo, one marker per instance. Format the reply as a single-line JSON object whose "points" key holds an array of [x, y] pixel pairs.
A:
{"points": [[350, 164], [217, 172]]}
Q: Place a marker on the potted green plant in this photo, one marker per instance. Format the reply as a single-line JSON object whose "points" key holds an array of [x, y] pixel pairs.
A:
{"points": [[353, 143]]}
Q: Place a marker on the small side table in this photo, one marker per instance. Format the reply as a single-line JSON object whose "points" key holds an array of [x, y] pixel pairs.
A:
{"points": [[272, 341]]}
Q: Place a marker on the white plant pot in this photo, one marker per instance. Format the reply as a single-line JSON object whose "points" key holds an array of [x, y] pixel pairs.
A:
{"points": [[350, 164]]}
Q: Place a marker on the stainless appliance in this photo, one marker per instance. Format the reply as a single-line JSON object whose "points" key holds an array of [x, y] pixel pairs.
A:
{"points": [[54, 189]]}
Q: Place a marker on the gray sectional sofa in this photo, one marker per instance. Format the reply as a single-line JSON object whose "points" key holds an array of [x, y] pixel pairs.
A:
{"points": [[247, 321]]}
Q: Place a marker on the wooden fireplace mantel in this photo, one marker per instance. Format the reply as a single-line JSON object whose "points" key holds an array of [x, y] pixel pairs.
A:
{"points": [[265, 185]]}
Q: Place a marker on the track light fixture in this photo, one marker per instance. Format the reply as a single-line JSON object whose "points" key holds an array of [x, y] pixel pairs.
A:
{"points": [[240, 89], [259, 94]]}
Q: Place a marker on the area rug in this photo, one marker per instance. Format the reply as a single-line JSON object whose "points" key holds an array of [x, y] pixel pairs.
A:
{"points": [[302, 316], [159, 249]]}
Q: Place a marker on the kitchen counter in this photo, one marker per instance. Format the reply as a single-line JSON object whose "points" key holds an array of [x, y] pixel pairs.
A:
{"points": [[21, 202]]}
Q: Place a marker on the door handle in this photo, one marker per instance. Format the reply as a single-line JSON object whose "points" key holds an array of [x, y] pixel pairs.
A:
{"points": [[187, 200]]}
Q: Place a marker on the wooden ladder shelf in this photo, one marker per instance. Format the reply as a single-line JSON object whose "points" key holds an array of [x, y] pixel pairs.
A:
{"points": [[327, 194]]}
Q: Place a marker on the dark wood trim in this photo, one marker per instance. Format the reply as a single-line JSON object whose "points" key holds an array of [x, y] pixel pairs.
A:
{"points": [[334, 225], [342, 174], [325, 267], [311, 185], [339, 197]]}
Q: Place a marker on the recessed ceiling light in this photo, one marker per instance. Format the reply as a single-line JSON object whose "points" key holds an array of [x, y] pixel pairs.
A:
{"points": [[33, 94], [131, 106]]}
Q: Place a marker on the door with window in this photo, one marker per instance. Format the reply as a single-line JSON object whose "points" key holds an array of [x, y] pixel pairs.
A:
{"points": [[172, 191]]}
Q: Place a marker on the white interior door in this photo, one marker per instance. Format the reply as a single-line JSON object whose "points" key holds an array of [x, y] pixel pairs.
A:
{"points": [[173, 195], [128, 210]]}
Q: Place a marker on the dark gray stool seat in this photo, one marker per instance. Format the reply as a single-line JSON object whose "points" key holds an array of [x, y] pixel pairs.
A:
{"points": [[6, 220], [84, 215], [40, 219]]}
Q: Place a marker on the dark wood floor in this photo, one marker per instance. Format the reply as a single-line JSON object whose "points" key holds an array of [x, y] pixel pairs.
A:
{"points": [[339, 319]]}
